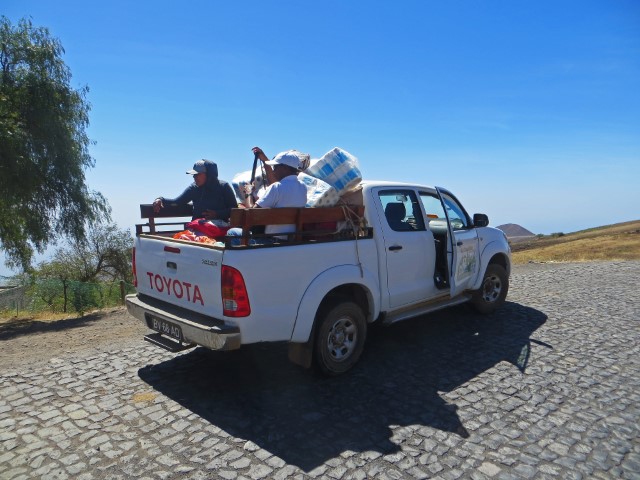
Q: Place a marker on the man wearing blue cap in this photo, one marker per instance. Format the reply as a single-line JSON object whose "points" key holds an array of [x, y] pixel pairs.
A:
{"points": [[211, 197]]}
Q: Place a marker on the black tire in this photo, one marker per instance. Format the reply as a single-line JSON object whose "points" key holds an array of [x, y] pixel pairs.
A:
{"points": [[493, 291], [340, 336]]}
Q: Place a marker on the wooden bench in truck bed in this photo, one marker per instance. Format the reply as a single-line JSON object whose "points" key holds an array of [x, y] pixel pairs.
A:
{"points": [[146, 212], [310, 222]]}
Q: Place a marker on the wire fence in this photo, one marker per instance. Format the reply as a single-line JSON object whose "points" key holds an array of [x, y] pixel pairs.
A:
{"points": [[56, 296]]}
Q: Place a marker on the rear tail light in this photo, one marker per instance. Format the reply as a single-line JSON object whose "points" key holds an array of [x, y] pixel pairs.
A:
{"points": [[235, 300], [133, 267]]}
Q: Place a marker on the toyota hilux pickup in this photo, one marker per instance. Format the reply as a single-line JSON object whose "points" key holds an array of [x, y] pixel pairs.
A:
{"points": [[388, 252]]}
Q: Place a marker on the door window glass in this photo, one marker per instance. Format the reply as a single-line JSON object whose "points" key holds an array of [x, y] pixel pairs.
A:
{"points": [[402, 210], [457, 216], [432, 206]]}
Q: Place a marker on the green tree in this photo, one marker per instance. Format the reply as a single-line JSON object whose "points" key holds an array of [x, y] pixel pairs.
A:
{"points": [[105, 254], [50, 278], [43, 146]]}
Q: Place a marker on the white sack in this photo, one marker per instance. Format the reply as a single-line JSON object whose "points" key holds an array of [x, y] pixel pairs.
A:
{"points": [[241, 181]]}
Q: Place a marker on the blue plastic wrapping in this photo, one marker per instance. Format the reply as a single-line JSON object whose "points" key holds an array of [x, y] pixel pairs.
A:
{"points": [[338, 168]]}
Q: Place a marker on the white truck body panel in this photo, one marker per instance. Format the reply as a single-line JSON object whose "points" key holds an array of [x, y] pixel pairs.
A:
{"points": [[184, 274], [405, 258], [465, 260], [323, 284], [278, 279]]}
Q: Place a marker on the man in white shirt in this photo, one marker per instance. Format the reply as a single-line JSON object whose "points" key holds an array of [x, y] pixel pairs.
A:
{"points": [[285, 190]]}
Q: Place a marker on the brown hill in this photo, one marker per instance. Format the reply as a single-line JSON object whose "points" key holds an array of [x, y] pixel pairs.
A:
{"points": [[515, 230], [620, 241]]}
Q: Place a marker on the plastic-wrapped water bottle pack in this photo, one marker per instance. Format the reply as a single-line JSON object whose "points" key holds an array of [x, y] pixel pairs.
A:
{"points": [[338, 168], [319, 193]]}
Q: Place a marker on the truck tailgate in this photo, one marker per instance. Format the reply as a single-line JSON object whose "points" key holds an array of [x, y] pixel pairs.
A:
{"points": [[180, 273]]}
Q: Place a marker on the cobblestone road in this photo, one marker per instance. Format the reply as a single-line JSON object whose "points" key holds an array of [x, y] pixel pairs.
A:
{"points": [[546, 388]]}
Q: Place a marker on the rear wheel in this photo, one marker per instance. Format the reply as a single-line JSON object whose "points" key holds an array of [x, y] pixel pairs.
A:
{"points": [[340, 337], [493, 291]]}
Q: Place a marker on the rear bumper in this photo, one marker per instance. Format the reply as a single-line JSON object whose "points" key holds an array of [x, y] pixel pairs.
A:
{"points": [[196, 328]]}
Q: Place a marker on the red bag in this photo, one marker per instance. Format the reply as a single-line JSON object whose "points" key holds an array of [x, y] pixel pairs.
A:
{"points": [[205, 226]]}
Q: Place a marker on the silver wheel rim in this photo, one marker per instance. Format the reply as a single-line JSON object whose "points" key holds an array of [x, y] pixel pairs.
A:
{"points": [[491, 289], [341, 339]]}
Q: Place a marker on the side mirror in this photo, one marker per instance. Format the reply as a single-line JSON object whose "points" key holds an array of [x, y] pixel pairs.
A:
{"points": [[480, 220]]}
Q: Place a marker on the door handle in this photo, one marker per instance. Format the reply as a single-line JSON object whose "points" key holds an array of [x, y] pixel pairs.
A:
{"points": [[395, 248], [459, 244]]}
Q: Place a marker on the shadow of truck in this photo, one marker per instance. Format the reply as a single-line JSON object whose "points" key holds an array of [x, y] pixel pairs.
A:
{"points": [[256, 394]]}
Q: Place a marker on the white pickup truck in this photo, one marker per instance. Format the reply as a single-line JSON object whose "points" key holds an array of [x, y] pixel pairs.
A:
{"points": [[404, 250]]}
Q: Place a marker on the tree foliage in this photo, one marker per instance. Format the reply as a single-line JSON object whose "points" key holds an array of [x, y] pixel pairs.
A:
{"points": [[53, 280], [103, 256], [43, 146]]}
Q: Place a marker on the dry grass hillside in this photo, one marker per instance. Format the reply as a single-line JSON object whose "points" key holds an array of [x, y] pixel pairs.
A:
{"points": [[620, 241]]}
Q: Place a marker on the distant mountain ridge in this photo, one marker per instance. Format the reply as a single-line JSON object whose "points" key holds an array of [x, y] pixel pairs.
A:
{"points": [[513, 230]]}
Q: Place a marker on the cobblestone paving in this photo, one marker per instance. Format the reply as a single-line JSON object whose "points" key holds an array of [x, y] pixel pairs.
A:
{"points": [[546, 388]]}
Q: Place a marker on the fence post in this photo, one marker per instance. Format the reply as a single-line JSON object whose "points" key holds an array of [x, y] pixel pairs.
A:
{"points": [[122, 291]]}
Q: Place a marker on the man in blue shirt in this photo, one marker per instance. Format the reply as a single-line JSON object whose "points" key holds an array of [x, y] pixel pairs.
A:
{"points": [[211, 198]]}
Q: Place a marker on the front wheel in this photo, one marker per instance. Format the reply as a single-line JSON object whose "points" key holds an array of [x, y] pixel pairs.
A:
{"points": [[493, 290], [340, 337]]}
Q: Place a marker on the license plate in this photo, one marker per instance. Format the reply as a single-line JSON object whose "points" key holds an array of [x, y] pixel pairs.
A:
{"points": [[166, 328]]}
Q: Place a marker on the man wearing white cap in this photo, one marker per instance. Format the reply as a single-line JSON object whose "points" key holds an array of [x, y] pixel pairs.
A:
{"points": [[285, 190]]}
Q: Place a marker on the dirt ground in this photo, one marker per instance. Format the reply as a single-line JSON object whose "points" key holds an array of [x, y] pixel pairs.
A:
{"points": [[35, 341]]}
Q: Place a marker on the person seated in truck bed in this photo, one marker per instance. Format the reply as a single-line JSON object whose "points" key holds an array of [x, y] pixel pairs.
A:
{"points": [[285, 190], [211, 197]]}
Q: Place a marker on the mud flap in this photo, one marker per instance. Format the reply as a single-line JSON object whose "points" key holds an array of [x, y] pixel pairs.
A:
{"points": [[301, 353]]}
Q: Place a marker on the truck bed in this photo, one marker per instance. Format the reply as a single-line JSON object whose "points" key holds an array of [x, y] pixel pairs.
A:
{"points": [[312, 225]]}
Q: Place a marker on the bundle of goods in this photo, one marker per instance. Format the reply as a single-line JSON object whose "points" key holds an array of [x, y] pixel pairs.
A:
{"points": [[211, 228], [203, 231], [338, 168], [319, 193], [193, 237]]}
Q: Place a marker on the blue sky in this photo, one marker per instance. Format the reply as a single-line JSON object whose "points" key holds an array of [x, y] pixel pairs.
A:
{"points": [[528, 111]]}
